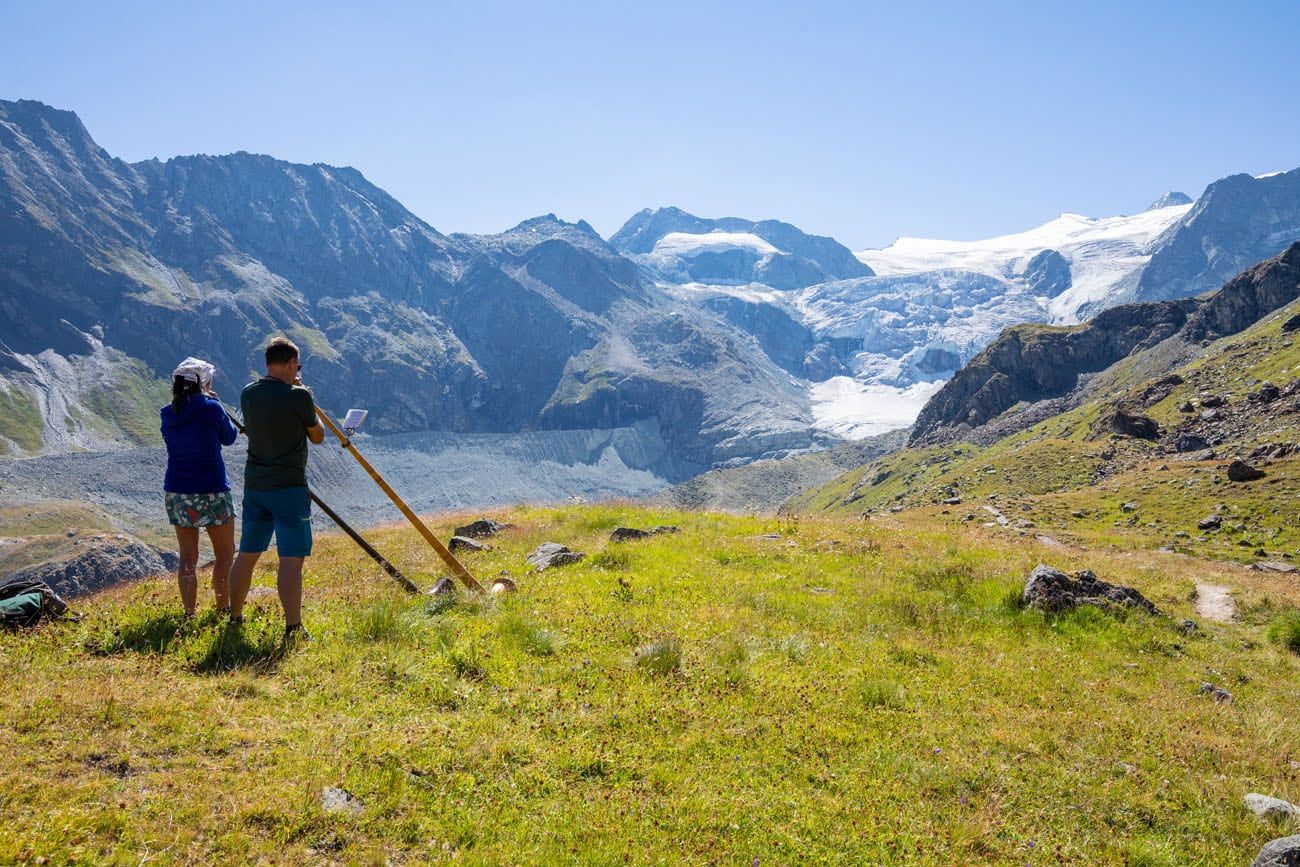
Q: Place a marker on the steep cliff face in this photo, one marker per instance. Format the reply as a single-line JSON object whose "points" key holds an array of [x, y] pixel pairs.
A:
{"points": [[1033, 363], [1238, 221]]}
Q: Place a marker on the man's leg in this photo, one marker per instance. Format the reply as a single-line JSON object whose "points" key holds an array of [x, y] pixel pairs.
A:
{"points": [[293, 542], [241, 578], [289, 584], [187, 541], [258, 524]]}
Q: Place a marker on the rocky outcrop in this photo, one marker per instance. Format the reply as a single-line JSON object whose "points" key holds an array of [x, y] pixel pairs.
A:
{"points": [[104, 561], [1051, 590], [1036, 362]]}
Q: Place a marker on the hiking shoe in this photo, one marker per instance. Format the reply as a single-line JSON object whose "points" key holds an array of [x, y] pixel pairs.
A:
{"points": [[295, 633]]}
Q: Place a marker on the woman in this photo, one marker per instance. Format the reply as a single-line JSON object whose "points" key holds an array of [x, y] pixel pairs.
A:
{"points": [[195, 427]]}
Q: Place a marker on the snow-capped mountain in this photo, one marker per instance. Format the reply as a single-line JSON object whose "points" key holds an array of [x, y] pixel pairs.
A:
{"points": [[1073, 262]]}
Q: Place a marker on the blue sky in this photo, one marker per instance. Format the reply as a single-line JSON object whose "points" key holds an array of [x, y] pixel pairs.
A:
{"points": [[857, 120]]}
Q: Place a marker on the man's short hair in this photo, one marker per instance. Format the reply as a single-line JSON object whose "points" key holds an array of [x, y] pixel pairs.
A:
{"points": [[280, 351]]}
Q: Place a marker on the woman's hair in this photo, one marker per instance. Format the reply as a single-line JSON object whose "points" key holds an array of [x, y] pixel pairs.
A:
{"points": [[182, 389]]}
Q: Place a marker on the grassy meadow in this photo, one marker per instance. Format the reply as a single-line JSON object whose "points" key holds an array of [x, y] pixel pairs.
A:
{"points": [[746, 691]]}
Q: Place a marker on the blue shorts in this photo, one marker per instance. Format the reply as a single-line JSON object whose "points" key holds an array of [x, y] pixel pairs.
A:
{"points": [[285, 512]]}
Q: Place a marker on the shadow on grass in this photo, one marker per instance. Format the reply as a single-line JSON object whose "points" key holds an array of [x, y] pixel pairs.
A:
{"points": [[251, 646], [208, 644]]}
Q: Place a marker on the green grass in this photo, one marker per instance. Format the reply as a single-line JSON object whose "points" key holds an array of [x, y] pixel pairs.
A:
{"points": [[846, 692], [20, 419], [128, 399]]}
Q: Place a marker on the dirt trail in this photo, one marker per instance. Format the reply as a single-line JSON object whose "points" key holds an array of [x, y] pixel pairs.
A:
{"points": [[1214, 602]]}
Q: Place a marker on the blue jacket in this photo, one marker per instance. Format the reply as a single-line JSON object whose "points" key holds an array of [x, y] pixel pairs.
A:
{"points": [[194, 438]]}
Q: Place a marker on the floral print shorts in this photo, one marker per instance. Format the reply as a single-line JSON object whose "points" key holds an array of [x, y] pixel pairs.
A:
{"points": [[200, 510]]}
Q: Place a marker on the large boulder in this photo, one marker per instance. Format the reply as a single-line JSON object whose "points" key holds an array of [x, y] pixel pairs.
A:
{"points": [[1267, 807], [1051, 590], [1190, 442], [1133, 425], [1282, 852], [1240, 471]]}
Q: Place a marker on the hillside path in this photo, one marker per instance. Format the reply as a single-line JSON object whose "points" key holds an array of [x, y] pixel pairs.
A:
{"points": [[1214, 602]]}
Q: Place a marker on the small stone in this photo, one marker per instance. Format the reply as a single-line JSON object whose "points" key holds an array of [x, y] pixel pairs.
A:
{"points": [[952, 501], [1267, 807], [1218, 693], [336, 800], [1129, 507], [1186, 406], [465, 543], [1212, 400], [1211, 522], [1282, 852], [627, 534], [1209, 415], [444, 587], [1188, 627], [552, 554], [665, 529]]}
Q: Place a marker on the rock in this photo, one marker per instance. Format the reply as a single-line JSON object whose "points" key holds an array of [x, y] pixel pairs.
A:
{"points": [[1051, 590], [1268, 392], [444, 587], [1132, 425], [1211, 522], [552, 554], [952, 501], [104, 562], [481, 529], [1077, 513], [465, 543], [1128, 507], [627, 534], [1160, 389], [336, 800], [1240, 471], [1209, 415], [1188, 627], [1274, 566], [665, 528], [1189, 442], [1292, 324], [1282, 852], [1218, 693], [1267, 807], [1186, 406], [1212, 400]]}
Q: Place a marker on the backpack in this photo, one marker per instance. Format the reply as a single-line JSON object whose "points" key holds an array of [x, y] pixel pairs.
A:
{"points": [[24, 602]]}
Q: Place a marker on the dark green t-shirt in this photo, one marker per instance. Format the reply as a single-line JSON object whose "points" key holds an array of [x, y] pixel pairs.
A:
{"points": [[277, 416]]}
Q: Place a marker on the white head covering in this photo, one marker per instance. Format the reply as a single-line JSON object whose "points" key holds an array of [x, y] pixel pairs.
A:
{"points": [[196, 370]]}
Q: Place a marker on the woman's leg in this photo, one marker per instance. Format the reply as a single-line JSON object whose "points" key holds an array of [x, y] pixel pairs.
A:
{"points": [[222, 537], [187, 540]]}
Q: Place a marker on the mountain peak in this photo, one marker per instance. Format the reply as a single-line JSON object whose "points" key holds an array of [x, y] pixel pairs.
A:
{"points": [[1169, 200]]}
